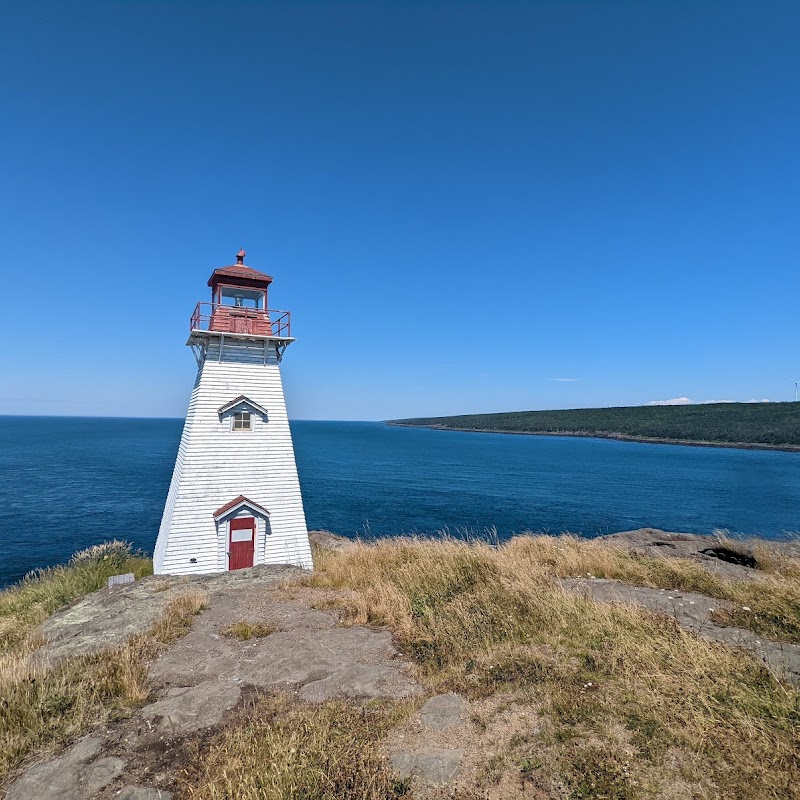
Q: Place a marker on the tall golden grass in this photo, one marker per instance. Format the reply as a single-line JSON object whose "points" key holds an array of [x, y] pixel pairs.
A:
{"points": [[631, 704]]}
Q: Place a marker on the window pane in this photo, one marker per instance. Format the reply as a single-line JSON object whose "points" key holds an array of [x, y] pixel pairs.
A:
{"points": [[242, 535], [241, 421]]}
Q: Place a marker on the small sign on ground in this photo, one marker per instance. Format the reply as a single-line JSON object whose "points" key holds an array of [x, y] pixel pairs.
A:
{"points": [[117, 580]]}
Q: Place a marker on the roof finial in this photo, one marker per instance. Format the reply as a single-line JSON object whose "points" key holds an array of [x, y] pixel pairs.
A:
{"points": [[240, 256]]}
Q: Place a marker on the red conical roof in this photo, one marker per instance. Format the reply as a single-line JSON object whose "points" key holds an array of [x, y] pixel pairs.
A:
{"points": [[239, 270]]}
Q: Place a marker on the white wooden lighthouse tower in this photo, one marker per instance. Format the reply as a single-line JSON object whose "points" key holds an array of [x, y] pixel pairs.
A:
{"points": [[234, 500]]}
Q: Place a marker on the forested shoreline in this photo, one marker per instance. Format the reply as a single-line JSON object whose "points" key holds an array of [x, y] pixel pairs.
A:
{"points": [[772, 425]]}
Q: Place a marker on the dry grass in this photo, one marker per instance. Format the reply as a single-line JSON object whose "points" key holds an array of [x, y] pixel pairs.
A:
{"points": [[44, 706], [40, 593], [768, 604], [631, 705], [244, 630], [287, 749]]}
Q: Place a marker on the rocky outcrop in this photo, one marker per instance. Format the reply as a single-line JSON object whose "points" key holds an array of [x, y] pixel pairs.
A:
{"points": [[205, 677], [329, 541], [729, 557], [108, 617]]}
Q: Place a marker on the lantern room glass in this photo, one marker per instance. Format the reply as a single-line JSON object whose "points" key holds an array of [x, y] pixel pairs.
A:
{"points": [[239, 297]]}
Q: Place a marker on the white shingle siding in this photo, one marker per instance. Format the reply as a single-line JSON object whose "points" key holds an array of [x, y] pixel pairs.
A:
{"points": [[216, 464]]}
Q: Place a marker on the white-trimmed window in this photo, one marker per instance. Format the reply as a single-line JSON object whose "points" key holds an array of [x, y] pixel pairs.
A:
{"points": [[241, 421]]}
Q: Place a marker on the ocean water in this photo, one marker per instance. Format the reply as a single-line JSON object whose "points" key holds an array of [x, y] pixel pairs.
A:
{"points": [[67, 483]]}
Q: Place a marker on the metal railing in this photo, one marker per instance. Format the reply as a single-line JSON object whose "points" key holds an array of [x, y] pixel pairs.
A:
{"points": [[237, 319]]}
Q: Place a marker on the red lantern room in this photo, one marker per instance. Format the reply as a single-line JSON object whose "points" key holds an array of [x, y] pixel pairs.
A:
{"points": [[239, 285], [239, 304]]}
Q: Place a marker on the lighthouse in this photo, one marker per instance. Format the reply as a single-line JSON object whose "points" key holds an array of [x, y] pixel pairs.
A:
{"points": [[234, 500]]}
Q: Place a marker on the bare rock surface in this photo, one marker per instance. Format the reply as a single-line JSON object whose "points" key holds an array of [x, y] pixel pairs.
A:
{"points": [[104, 619], [76, 775], [425, 752], [436, 766], [329, 541], [187, 709], [143, 793], [108, 617], [693, 612], [100, 773], [308, 651], [443, 711]]}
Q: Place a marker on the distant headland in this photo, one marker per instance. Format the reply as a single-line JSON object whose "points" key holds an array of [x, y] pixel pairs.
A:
{"points": [[763, 426]]}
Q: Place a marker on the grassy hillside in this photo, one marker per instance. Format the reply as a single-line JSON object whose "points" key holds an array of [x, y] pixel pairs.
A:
{"points": [[764, 424], [567, 697], [627, 705]]}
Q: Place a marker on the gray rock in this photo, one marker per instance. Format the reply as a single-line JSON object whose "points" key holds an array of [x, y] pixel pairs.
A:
{"points": [[102, 620], [83, 751], [330, 541], [99, 774], [143, 793], [443, 711], [191, 708], [200, 674], [436, 766], [310, 651], [59, 779], [108, 617], [358, 680]]}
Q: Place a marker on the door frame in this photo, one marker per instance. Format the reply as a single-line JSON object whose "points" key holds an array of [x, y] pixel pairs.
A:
{"points": [[232, 510], [240, 524]]}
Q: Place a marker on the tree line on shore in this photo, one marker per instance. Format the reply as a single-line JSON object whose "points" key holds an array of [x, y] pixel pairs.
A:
{"points": [[774, 424]]}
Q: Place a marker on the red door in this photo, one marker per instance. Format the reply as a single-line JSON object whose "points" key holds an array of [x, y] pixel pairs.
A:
{"points": [[242, 543]]}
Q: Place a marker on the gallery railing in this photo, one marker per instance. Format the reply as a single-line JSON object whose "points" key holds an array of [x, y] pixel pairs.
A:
{"points": [[238, 319]]}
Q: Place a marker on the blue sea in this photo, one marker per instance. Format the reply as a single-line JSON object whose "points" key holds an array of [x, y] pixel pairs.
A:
{"points": [[67, 483]]}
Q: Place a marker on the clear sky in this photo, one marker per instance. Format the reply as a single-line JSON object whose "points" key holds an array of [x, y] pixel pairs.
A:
{"points": [[467, 206]]}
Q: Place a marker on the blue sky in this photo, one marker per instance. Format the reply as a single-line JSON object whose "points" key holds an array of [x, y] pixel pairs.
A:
{"points": [[463, 204]]}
